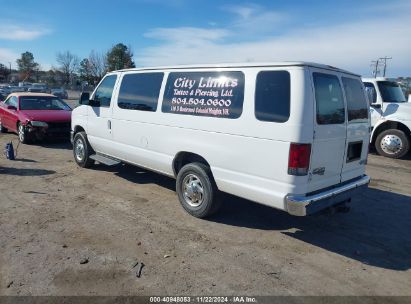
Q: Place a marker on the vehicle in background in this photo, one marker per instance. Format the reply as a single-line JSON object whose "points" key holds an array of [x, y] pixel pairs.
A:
{"points": [[59, 92], [15, 89], [2, 96], [293, 136], [4, 89], [25, 84], [38, 88], [35, 116], [4, 92], [390, 117]]}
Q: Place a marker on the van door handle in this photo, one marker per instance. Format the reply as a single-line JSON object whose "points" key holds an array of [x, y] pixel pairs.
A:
{"points": [[109, 124]]}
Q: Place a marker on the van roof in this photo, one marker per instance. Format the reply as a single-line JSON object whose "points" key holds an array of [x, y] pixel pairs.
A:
{"points": [[240, 65]]}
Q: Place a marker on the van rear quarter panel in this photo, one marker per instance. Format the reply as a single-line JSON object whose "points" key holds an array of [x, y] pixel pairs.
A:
{"points": [[248, 157]]}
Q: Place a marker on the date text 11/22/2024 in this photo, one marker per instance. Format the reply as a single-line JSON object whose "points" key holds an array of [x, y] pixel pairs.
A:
{"points": [[203, 299]]}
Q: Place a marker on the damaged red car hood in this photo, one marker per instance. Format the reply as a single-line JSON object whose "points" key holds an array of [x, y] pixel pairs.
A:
{"points": [[47, 115]]}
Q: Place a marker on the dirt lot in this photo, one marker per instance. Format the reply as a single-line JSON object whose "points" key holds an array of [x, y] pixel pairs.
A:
{"points": [[54, 215]]}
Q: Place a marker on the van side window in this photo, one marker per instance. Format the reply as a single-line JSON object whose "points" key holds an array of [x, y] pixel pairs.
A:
{"points": [[329, 97], [356, 102], [140, 91], [105, 91], [211, 94], [272, 96], [371, 92]]}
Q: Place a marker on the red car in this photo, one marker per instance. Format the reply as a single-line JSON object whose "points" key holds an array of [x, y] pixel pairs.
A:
{"points": [[35, 116]]}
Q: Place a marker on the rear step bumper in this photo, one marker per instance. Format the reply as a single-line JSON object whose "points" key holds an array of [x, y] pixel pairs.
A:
{"points": [[305, 205]]}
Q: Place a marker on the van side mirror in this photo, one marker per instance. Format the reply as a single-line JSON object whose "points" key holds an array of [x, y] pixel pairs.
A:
{"points": [[84, 98], [376, 106], [11, 108]]}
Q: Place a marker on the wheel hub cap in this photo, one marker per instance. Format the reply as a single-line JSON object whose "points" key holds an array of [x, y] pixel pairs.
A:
{"points": [[193, 190], [79, 150], [391, 144]]}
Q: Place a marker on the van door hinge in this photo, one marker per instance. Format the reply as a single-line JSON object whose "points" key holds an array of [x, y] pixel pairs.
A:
{"points": [[109, 124], [314, 135]]}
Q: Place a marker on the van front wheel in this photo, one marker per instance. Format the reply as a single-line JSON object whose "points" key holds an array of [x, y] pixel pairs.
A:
{"points": [[392, 143], [197, 190], [82, 150]]}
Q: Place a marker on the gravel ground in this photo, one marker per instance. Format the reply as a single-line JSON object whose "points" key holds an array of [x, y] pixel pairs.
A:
{"points": [[65, 230]]}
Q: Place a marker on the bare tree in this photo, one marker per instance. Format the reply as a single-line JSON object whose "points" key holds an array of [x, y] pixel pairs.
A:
{"points": [[68, 64], [98, 64]]}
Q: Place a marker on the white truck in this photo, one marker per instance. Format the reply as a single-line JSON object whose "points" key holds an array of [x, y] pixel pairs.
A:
{"points": [[390, 117]]}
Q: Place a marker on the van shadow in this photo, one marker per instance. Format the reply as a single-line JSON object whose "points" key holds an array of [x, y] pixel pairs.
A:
{"points": [[138, 175], [58, 144], [375, 232]]}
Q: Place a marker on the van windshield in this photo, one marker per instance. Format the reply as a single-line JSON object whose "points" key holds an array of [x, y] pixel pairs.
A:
{"points": [[391, 91]]}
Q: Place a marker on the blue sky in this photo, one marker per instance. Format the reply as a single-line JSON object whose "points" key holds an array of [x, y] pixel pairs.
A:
{"points": [[347, 34]]}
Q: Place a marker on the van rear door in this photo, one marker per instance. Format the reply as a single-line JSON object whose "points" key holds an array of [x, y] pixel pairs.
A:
{"points": [[330, 130], [358, 124]]}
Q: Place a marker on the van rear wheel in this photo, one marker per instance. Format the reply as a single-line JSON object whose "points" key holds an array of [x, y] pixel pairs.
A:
{"points": [[197, 190], [392, 143]]}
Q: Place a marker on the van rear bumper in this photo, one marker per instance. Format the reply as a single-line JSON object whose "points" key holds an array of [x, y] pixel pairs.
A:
{"points": [[300, 205]]}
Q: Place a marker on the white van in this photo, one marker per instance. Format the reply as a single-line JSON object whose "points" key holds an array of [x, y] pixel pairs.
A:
{"points": [[293, 136], [390, 117]]}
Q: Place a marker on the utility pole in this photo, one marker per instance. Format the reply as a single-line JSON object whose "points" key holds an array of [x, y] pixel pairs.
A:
{"points": [[385, 63], [374, 65], [10, 71]]}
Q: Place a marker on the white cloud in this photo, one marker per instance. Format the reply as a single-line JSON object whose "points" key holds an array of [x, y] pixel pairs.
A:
{"points": [[243, 11], [253, 18], [16, 32], [351, 46], [7, 56], [192, 35]]}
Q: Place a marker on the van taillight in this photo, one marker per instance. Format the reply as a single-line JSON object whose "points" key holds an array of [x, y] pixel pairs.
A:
{"points": [[299, 159]]}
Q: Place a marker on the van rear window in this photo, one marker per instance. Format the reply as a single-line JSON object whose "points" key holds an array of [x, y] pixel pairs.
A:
{"points": [[272, 96], [329, 97], [356, 102], [140, 91], [211, 94]]}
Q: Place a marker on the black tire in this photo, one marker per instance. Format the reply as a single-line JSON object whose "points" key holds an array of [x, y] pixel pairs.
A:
{"points": [[82, 150], [23, 134], [2, 129], [209, 203], [398, 137]]}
